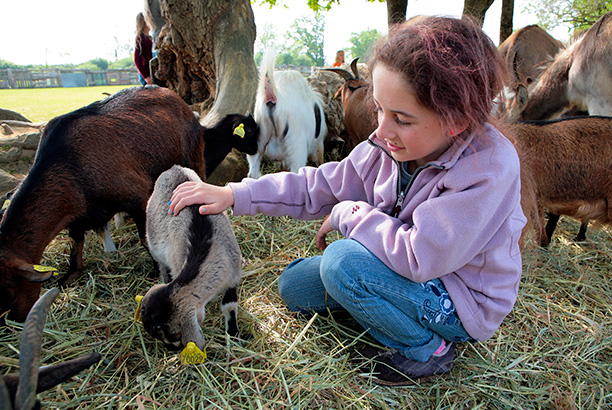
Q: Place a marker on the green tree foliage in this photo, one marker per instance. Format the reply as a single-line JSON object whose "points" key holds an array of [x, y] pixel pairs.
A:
{"points": [[578, 14], [307, 36], [127, 62], [97, 64], [7, 64], [314, 5], [363, 44]]}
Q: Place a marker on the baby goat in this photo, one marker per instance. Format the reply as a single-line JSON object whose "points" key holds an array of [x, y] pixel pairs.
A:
{"points": [[290, 117], [198, 257]]}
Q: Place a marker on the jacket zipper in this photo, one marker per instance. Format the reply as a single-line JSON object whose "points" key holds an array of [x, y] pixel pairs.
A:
{"points": [[402, 194]]}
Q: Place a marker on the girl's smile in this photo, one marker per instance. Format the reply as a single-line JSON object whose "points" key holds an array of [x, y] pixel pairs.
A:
{"points": [[411, 132]]}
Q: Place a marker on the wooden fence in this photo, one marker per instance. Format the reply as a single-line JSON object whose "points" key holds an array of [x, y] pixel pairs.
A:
{"points": [[10, 78]]}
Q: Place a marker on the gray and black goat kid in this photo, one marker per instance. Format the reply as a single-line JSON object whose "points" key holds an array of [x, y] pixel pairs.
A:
{"points": [[18, 391], [199, 258]]}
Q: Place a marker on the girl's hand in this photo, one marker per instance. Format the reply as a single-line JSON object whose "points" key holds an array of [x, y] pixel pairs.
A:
{"points": [[322, 233], [214, 199]]}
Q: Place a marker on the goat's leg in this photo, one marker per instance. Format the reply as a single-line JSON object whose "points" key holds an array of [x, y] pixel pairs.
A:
{"points": [[551, 225], [119, 220], [229, 307], [581, 236], [141, 224], [107, 240], [75, 270], [254, 165], [296, 160]]}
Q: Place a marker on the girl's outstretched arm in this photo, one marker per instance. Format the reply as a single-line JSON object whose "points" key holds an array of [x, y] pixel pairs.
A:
{"points": [[212, 198]]}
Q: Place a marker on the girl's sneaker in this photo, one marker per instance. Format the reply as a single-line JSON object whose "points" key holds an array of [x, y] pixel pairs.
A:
{"points": [[390, 368]]}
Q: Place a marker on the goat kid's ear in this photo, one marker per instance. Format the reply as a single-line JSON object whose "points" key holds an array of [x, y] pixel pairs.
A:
{"points": [[36, 273]]}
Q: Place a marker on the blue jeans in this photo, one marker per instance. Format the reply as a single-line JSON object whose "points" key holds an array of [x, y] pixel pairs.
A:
{"points": [[401, 314]]}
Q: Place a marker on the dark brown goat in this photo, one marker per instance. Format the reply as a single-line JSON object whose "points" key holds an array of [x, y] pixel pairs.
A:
{"points": [[570, 163], [358, 109], [95, 162]]}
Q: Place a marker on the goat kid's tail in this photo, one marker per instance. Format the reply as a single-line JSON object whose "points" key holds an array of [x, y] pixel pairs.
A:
{"points": [[266, 76]]}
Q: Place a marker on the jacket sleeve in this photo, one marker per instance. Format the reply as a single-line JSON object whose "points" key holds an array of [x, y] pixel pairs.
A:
{"points": [[309, 194], [448, 230]]}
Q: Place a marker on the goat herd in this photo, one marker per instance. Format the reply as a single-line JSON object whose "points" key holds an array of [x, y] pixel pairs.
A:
{"points": [[126, 153]]}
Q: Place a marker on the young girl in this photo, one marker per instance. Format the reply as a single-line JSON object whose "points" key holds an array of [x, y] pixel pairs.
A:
{"points": [[143, 50], [429, 206]]}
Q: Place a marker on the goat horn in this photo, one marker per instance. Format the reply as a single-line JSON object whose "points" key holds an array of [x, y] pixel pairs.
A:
{"points": [[29, 356], [354, 68], [5, 398], [51, 376], [342, 72]]}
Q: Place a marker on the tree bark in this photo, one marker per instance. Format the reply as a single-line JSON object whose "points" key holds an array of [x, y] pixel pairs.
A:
{"points": [[506, 23], [477, 9], [396, 11], [205, 55]]}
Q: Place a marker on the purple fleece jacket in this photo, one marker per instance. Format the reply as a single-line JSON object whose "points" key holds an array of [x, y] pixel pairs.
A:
{"points": [[460, 221]]}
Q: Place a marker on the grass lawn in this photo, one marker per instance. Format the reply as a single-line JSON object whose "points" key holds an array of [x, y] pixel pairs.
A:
{"points": [[43, 104]]}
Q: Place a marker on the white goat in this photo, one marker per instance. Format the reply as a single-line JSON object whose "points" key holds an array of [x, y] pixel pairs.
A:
{"points": [[291, 119]]}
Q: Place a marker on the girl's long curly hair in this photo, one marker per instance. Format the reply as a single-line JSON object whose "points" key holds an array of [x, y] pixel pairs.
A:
{"points": [[453, 67]]}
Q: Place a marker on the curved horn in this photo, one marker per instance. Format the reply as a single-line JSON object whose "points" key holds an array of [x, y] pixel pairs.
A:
{"points": [[29, 356], [354, 68], [342, 72], [51, 376], [5, 398]]}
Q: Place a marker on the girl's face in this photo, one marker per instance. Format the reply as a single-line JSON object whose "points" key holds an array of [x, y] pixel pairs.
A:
{"points": [[411, 132]]}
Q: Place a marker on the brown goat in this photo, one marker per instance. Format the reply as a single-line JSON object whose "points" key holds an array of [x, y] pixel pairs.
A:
{"points": [[579, 77], [95, 162], [526, 52], [570, 163], [358, 110]]}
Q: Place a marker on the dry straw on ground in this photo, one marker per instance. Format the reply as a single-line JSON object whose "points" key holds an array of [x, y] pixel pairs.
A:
{"points": [[553, 352]]}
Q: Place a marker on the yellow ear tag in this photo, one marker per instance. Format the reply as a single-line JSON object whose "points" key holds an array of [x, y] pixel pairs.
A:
{"points": [[192, 355], [42, 269], [138, 299], [239, 130], [5, 204]]}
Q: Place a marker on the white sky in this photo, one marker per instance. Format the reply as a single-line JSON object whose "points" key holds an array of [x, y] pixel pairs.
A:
{"points": [[75, 31]]}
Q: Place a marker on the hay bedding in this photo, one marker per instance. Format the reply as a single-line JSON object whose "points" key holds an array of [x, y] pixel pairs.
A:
{"points": [[553, 352]]}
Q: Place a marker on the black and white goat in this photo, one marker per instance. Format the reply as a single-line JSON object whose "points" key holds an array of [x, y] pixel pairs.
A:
{"points": [[199, 258], [291, 119]]}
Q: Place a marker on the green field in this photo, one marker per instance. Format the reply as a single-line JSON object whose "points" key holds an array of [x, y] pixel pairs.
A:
{"points": [[43, 104]]}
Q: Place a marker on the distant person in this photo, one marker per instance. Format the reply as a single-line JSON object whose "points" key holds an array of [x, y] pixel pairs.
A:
{"points": [[143, 51], [339, 58], [153, 17]]}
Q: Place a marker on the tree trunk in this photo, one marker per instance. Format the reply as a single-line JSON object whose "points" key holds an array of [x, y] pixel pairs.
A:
{"points": [[396, 11], [477, 9], [506, 23], [205, 55]]}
